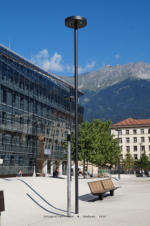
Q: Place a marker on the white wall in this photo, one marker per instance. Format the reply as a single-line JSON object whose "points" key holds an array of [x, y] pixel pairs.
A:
{"points": [[131, 144]]}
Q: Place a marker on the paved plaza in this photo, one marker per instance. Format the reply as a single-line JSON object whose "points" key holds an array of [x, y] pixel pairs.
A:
{"points": [[42, 201]]}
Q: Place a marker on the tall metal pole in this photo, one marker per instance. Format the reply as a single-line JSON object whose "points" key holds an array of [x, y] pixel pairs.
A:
{"points": [[76, 121], [118, 160], [52, 165], [76, 22], [70, 141], [36, 149], [68, 178], [141, 161], [36, 125]]}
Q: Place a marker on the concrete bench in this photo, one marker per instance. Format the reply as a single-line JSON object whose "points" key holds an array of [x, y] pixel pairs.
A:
{"points": [[101, 187]]}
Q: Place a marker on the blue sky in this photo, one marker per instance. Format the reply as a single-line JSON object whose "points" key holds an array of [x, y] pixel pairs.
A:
{"points": [[117, 32]]}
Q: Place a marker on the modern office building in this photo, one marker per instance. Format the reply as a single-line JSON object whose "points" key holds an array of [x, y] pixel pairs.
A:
{"points": [[34, 116], [134, 136]]}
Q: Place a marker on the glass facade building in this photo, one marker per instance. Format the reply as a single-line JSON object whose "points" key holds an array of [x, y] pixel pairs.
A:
{"points": [[34, 115]]}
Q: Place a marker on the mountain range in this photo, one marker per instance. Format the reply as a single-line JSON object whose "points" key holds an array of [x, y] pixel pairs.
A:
{"points": [[116, 92]]}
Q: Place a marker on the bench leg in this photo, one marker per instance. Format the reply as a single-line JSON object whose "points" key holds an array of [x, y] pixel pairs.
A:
{"points": [[112, 193], [101, 197]]}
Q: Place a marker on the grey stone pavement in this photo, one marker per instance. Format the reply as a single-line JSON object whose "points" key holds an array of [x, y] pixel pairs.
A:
{"points": [[40, 201]]}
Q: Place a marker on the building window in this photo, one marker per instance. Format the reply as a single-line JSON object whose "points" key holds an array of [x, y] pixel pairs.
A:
{"points": [[143, 148], [134, 139], [142, 139], [120, 132], [4, 96], [149, 139], [149, 157], [142, 131], [148, 130], [135, 157], [128, 148], [120, 140], [57, 132], [127, 140], [3, 117], [127, 131], [135, 148], [149, 147], [134, 131]]}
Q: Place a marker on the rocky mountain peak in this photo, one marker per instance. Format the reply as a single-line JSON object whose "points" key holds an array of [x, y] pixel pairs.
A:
{"points": [[109, 75]]}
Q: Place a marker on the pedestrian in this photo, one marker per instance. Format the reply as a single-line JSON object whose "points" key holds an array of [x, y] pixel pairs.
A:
{"points": [[19, 174], [88, 172], [103, 171], [146, 173], [56, 173], [143, 172]]}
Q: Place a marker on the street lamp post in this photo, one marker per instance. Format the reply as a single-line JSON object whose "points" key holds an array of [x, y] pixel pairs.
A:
{"points": [[141, 159], [70, 98], [36, 123], [76, 22], [119, 158], [53, 134]]}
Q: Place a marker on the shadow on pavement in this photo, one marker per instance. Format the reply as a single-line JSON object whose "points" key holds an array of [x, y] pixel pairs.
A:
{"points": [[41, 198], [6, 179], [44, 208], [91, 198], [115, 178], [56, 177]]}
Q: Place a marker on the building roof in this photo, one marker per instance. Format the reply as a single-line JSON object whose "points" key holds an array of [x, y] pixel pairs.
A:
{"points": [[4, 50], [132, 122]]}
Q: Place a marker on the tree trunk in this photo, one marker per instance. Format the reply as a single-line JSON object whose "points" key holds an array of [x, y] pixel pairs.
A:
{"points": [[87, 165], [84, 167]]}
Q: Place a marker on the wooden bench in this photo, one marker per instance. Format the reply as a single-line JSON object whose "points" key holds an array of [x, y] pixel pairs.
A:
{"points": [[105, 175], [98, 175], [101, 187]]}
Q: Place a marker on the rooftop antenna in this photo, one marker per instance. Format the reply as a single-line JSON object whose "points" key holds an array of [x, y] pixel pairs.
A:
{"points": [[31, 56], [9, 43]]}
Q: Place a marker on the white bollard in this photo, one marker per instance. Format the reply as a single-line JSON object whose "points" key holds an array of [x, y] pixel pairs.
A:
{"points": [[34, 174], [44, 170], [60, 168]]}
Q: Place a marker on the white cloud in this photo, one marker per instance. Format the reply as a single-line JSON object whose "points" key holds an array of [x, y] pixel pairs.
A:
{"points": [[54, 63], [49, 64], [117, 56], [70, 68], [81, 70]]}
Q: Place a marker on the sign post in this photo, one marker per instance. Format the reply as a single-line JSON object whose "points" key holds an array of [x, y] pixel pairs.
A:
{"points": [[68, 177], [2, 204]]}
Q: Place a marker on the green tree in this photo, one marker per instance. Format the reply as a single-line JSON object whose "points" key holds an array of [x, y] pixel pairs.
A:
{"points": [[86, 142], [106, 150], [143, 162], [96, 144], [128, 161]]}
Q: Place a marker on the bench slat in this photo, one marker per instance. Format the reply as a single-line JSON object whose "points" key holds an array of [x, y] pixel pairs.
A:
{"points": [[96, 187], [108, 184], [101, 187]]}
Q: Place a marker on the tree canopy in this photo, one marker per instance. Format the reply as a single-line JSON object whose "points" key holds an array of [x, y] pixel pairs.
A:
{"points": [[128, 161], [143, 162], [96, 144]]}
